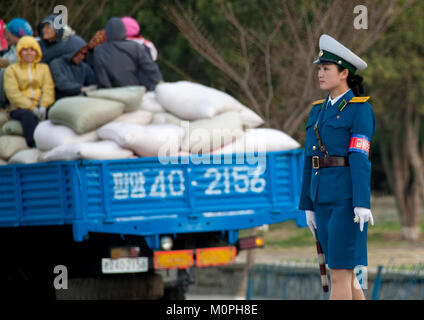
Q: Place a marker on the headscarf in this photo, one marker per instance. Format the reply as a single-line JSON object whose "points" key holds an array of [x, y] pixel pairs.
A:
{"points": [[98, 38], [19, 27]]}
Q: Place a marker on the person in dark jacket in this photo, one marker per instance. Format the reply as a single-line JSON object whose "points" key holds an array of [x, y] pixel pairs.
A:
{"points": [[51, 42], [119, 62], [71, 73], [96, 40]]}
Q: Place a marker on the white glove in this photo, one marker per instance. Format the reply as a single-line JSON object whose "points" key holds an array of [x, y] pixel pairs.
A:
{"points": [[362, 215], [42, 113], [36, 112], [310, 221]]}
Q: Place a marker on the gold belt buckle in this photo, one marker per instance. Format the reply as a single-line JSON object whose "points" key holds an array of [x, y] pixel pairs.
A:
{"points": [[315, 162]]}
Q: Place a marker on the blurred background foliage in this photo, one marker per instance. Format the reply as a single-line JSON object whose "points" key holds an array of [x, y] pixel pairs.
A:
{"points": [[394, 79]]}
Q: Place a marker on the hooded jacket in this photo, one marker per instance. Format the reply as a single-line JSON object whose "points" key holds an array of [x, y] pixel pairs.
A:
{"points": [[51, 49], [119, 62], [3, 42], [29, 85], [133, 28], [69, 77]]}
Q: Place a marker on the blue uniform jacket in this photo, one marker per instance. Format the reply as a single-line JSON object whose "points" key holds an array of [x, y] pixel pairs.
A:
{"points": [[346, 129]]}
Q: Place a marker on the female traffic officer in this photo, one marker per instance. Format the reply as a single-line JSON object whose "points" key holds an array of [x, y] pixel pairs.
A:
{"points": [[337, 171]]}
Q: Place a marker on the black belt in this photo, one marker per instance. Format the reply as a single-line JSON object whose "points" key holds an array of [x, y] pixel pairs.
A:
{"points": [[325, 162]]}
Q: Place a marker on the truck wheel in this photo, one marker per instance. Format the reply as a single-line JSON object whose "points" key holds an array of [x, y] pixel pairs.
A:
{"points": [[120, 287], [26, 284], [175, 293]]}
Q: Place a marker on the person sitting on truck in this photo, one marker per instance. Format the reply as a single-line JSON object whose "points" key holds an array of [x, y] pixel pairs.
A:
{"points": [[53, 38], [97, 39], [71, 74], [15, 29], [29, 87], [119, 62], [3, 42], [133, 29]]}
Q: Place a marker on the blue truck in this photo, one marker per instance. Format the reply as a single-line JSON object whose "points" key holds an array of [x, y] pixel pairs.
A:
{"points": [[136, 228]]}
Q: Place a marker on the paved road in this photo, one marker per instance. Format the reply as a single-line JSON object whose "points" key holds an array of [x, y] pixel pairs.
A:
{"points": [[210, 297]]}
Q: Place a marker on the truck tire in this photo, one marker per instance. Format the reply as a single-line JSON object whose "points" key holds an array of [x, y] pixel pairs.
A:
{"points": [[175, 293], [21, 285], [120, 287]]}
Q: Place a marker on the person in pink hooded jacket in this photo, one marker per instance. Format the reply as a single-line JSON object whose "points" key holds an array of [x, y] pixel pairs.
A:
{"points": [[133, 29], [3, 42]]}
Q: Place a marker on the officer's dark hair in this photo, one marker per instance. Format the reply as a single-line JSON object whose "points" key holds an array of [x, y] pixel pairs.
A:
{"points": [[355, 82]]}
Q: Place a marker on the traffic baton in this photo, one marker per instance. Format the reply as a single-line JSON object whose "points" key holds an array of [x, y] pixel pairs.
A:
{"points": [[321, 261]]}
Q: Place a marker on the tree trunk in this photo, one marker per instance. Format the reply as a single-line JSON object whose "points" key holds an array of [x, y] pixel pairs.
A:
{"points": [[411, 225], [405, 185]]}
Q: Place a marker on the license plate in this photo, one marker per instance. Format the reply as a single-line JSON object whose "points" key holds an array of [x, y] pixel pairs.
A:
{"points": [[125, 265], [180, 259], [215, 256]]}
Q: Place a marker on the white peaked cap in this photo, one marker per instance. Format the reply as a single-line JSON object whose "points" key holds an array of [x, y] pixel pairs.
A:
{"points": [[332, 46]]}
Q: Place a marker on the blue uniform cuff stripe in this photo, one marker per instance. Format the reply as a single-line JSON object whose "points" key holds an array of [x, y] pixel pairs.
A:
{"points": [[360, 136], [358, 150]]}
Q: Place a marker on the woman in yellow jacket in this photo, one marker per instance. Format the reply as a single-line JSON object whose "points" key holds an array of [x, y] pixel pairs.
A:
{"points": [[29, 86]]}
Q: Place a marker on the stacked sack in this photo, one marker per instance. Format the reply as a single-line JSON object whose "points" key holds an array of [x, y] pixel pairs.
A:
{"points": [[13, 147], [178, 118], [217, 123], [71, 131]]}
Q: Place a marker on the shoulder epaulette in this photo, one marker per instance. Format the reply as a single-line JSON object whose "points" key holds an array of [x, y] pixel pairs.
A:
{"points": [[359, 99], [318, 102]]}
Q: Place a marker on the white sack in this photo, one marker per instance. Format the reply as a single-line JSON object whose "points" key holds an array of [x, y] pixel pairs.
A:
{"points": [[48, 135], [26, 156], [260, 140], [202, 136], [193, 101], [141, 117], [150, 103], [249, 118], [100, 150], [146, 141], [166, 118]]}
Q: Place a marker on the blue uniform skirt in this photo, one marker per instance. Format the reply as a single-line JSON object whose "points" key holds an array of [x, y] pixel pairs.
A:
{"points": [[344, 245]]}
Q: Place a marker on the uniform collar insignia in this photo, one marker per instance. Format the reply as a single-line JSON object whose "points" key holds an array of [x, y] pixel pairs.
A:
{"points": [[342, 105]]}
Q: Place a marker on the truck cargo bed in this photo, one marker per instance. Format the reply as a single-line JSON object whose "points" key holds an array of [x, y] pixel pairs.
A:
{"points": [[145, 196]]}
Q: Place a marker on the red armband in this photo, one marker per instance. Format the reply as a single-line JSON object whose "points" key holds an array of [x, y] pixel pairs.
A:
{"points": [[359, 143]]}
